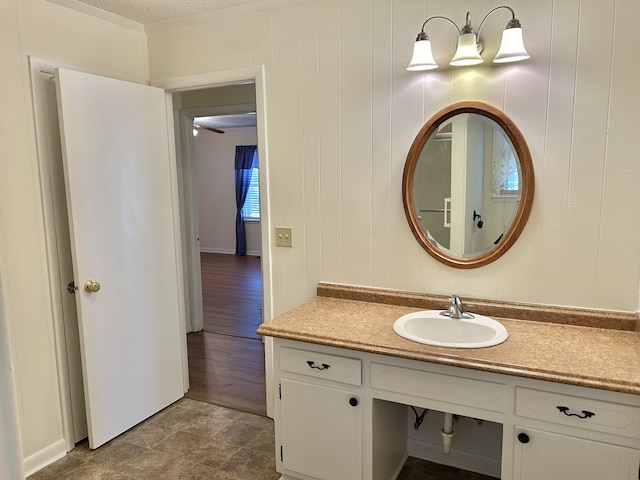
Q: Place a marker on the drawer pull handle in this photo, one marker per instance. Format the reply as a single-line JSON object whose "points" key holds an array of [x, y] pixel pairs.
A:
{"points": [[353, 401], [523, 438], [585, 413], [312, 364]]}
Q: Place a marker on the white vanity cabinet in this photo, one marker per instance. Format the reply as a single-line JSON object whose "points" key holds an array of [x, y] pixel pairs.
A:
{"points": [[319, 415], [551, 456], [342, 415], [596, 449]]}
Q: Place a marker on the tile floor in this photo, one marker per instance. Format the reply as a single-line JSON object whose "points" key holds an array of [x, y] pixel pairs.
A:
{"points": [[192, 440], [188, 440]]}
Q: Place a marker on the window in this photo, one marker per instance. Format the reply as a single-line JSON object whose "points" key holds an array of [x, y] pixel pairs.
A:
{"points": [[505, 169], [251, 208]]}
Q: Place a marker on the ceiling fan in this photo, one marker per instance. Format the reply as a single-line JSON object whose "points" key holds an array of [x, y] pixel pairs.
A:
{"points": [[204, 127]]}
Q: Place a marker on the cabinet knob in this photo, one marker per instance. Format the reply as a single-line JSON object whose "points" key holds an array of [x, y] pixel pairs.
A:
{"points": [[523, 438], [353, 401]]}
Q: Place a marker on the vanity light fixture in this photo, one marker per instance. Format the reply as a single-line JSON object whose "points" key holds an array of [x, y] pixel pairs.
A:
{"points": [[470, 44]]}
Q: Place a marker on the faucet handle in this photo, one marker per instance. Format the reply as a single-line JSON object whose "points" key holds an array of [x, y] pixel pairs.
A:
{"points": [[456, 303]]}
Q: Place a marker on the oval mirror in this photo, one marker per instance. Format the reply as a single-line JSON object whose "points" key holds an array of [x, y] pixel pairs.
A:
{"points": [[468, 185]]}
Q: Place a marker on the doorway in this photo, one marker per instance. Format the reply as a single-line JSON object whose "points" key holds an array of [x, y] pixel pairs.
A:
{"points": [[70, 377], [226, 356]]}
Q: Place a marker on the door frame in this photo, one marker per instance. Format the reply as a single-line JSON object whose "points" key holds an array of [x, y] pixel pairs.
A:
{"points": [[256, 75], [253, 74], [38, 66]]}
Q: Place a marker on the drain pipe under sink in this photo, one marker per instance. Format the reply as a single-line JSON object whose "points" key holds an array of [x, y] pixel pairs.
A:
{"points": [[447, 433]]}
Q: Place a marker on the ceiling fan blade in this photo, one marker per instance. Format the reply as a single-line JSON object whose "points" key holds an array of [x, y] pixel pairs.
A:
{"points": [[211, 129]]}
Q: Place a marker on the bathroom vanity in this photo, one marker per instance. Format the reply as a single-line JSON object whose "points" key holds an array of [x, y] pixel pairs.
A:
{"points": [[567, 397]]}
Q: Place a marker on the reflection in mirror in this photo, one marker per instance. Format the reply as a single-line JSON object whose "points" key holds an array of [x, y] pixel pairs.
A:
{"points": [[468, 185]]}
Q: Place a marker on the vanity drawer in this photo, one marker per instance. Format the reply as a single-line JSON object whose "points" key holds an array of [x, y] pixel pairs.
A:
{"points": [[321, 365], [614, 418], [459, 390]]}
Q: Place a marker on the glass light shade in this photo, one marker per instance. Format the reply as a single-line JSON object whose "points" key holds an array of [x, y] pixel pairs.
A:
{"points": [[422, 57], [467, 52], [512, 47]]}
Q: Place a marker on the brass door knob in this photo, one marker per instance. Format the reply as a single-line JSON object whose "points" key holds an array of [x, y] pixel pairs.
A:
{"points": [[91, 287]]}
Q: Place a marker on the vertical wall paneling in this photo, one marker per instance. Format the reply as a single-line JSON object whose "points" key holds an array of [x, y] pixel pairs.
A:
{"points": [[526, 91], [240, 41], [381, 188], [161, 55], [329, 58], [356, 119], [213, 43], [260, 34], [553, 168], [563, 99], [311, 145], [588, 149], [620, 222], [184, 39], [287, 134], [405, 255]]}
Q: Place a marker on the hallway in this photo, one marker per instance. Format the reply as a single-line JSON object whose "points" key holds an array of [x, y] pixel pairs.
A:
{"points": [[226, 359]]}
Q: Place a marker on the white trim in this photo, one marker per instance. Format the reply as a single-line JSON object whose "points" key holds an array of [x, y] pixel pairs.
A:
{"points": [[37, 66], [214, 79], [45, 457], [101, 14], [257, 75], [179, 247], [189, 224]]}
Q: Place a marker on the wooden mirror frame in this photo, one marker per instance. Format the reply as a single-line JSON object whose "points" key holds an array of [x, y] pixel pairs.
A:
{"points": [[526, 169]]}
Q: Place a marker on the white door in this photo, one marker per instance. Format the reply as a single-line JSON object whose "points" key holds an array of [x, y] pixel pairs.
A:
{"points": [[119, 183]]}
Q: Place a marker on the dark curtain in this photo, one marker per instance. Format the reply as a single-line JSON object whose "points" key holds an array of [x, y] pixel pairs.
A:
{"points": [[246, 159]]}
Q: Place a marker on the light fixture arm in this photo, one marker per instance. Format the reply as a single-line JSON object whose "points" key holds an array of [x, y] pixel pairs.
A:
{"points": [[423, 35], [513, 23]]}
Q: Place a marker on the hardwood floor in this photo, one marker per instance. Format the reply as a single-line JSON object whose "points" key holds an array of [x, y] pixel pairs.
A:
{"points": [[226, 359], [232, 294]]}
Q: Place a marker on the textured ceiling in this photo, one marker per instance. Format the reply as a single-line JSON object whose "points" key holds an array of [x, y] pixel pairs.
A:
{"points": [[153, 11]]}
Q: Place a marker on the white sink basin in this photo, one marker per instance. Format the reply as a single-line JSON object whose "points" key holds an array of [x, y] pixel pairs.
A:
{"points": [[431, 328]]}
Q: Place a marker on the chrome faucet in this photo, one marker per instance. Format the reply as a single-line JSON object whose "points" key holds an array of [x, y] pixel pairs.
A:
{"points": [[456, 310]]}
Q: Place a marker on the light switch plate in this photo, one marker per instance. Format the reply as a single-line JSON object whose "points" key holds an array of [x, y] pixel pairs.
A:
{"points": [[284, 237]]}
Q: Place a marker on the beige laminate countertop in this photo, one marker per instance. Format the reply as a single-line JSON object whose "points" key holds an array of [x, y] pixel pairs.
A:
{"points": [[585, 356]]}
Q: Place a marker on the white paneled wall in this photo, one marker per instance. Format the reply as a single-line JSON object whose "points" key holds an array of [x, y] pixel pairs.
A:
{"points": [[343, 111]]}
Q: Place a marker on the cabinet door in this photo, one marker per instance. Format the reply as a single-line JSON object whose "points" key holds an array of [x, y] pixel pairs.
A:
{"points": [[321, 431], [549, 456]]}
